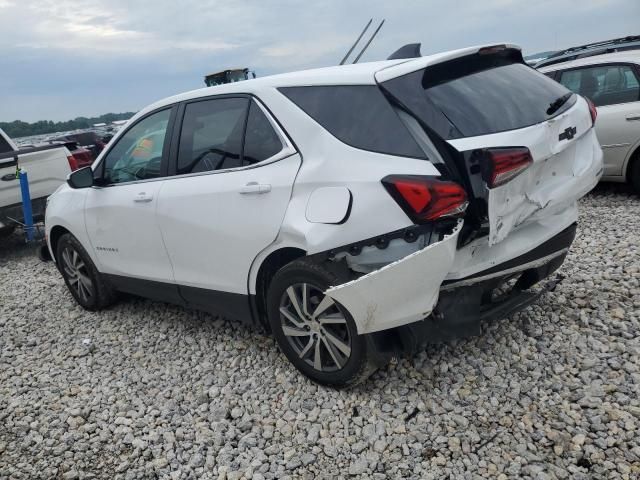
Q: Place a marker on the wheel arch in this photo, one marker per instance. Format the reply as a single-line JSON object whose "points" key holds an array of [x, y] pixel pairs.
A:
{"points": [[267, 269], [54, 236], [631, 159]]}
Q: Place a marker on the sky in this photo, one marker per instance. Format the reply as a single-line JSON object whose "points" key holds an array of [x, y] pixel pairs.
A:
{"points": [[60, 59]]}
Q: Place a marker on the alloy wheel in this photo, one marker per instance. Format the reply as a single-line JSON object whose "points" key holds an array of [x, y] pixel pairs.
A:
{"points": [[315, 327], [77, 274]]}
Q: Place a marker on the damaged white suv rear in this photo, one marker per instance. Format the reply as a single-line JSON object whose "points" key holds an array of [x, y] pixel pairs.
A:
{"points": [[357, 212]]}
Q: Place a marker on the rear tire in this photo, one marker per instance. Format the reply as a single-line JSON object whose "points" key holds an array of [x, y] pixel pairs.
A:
{"points": [[84, 281], [315, 333]]}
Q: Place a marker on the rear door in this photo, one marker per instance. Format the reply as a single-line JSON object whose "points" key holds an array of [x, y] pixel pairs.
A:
{"points": [[234, 172], [615, 90], [489, 103]]}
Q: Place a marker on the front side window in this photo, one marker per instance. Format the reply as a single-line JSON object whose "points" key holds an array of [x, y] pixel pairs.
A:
{"points": [[604, 84], [137, 155], [211, 135]]}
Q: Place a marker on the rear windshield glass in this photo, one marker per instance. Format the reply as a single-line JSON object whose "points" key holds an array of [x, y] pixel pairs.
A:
{"points": [[358, 115], [469, 100]]}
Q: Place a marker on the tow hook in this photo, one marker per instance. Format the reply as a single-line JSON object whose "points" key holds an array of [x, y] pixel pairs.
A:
{"points": [[551, 285]]}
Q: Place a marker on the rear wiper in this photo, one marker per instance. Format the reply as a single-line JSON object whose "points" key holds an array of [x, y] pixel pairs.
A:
{"points": [[557, 103]]}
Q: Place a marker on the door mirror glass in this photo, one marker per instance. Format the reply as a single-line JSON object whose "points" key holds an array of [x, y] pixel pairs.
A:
{"points": [[82, 178]]}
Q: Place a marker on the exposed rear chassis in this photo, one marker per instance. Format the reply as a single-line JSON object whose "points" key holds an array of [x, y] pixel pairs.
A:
{"points": [[465, 303]]}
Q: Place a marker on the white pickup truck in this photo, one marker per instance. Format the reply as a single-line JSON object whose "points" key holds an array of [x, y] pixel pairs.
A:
{"points": [[47, 167]]}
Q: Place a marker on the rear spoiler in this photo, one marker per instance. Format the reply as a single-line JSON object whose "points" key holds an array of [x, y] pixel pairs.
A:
{"points": [[421, 63]]}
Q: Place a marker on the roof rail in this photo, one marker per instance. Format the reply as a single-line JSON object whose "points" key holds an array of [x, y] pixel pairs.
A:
{"points": [[630, 42], [603, 43]]}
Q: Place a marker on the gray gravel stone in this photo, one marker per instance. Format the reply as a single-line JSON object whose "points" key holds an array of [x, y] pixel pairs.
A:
{"points": [[162, 392]]}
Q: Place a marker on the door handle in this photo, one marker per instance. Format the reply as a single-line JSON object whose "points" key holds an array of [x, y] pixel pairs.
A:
{"points": [[143, 197], [631, 118], [255, 187]]}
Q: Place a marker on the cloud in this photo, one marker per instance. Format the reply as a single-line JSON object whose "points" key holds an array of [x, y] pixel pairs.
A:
{"points": [[83, 57]]}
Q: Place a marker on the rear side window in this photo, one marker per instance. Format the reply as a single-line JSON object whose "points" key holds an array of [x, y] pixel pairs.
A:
{"points": [[211, 135], [478, 96], [261, 140], [358, 115], [604, 84]]}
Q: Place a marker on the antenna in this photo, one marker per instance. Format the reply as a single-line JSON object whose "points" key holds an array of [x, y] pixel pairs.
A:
{"points": [[357, 41], [369, 42]]}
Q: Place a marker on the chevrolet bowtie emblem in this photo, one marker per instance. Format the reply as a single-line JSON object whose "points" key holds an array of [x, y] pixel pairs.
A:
{"points": [[568, 133]]}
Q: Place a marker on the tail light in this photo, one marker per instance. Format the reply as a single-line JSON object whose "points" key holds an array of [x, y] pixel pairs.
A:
{"points": [[592, 111], [504, 164], [425, 199], [73, 163]]}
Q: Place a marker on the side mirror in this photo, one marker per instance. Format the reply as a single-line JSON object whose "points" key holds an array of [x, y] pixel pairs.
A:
{"points": [[82, 178]]}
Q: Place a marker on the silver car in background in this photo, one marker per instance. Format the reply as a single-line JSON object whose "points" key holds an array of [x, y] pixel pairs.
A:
{"points": [[612, 82]]}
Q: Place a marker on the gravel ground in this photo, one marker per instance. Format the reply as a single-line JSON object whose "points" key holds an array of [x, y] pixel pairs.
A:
{"points": [[147, 390]]}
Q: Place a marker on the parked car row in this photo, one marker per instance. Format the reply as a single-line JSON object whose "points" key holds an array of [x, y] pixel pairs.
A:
{"points": [[356, 212], [47, 167], [607, 73]]}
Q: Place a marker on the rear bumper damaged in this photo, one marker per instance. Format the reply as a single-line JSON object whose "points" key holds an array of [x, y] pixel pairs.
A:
{"points": [[401, 292], [408, 303]]}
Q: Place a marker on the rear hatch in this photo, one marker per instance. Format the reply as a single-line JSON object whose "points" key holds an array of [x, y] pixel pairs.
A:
{"points": [[520, 144]]}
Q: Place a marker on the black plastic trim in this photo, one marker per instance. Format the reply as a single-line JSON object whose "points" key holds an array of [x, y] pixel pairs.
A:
{"points": [[231, 305], [558, 242], [165, 292]]}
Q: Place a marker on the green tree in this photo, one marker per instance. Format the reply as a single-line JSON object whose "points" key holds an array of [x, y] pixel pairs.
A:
{"points": [[18, 128]]}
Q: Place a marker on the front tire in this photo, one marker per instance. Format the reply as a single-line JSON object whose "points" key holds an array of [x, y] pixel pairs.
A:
{"points": [[316, 334], [86, 284]]}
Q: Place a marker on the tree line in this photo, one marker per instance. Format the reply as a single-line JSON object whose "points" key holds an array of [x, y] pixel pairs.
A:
{"points": [[18, 128]]}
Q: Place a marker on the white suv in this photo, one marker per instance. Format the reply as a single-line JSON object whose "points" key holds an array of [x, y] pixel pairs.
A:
{"points": [[356, 212], [612, 82]]}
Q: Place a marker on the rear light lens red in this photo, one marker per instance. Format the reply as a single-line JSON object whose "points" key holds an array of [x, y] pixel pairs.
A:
{"points": [[504, 164], [426, 199], [73, 163], [592, 111]]}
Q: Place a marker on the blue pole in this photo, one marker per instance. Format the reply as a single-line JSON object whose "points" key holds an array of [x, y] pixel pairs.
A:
{"points": [[26, 205]]}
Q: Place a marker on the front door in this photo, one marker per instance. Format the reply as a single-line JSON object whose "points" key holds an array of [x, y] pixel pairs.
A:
{"points": [[121, 215], [227, 200]]}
